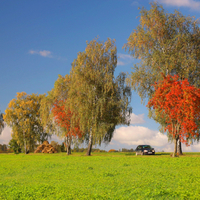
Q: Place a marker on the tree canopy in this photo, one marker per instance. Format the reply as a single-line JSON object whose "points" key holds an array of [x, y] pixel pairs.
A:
{"points": [[180, 102], [164, 42], [99, 100], [23, 116], [62, 117], [55, 117]]}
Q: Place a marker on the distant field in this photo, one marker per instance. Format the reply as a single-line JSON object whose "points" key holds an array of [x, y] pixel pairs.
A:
{"points": [[100, 176]]}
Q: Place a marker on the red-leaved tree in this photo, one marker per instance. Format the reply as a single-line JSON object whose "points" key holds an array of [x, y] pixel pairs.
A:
{"points": [[62, 117], [180, 102]]}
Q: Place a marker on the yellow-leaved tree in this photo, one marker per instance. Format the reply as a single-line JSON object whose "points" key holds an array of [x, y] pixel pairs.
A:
{"points": [[22, 115]]}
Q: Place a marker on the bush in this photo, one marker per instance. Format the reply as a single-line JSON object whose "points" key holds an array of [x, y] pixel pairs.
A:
{"points": [[56, 146], [112, 150], [15, 146], [127, 150]]}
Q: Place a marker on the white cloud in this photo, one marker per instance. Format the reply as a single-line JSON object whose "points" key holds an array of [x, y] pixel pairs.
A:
{"points": [[43, 53], [120, 63], [137, 119], [131, 136], [124, 59], [136, 135], [5, 136], [125, 56], [195, 5], [56, 139], [135, 3], [47, 54]]}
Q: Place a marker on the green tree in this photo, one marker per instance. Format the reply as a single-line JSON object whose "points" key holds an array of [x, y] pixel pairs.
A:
{"points": [[167, 43], [22, 115], [56, 146], [3, 147], [62, 147], [14, 146], [99, 100]]}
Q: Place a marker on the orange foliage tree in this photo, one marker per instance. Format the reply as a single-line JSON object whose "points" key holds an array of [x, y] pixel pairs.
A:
{"points": [[63, 117], [180, 102]]}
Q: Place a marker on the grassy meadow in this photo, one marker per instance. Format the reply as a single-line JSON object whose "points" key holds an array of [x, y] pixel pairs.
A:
{"points": [[100, 176]]}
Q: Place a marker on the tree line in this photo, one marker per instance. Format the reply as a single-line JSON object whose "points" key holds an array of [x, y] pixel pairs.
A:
{"points": [[87, 104]]}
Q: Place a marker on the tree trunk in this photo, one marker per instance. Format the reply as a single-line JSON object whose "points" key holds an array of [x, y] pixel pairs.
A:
{"points": [[176, 138], [179, 148], [68, 149], [175, 147], [68, 140], [24, 143], [89, 145]]}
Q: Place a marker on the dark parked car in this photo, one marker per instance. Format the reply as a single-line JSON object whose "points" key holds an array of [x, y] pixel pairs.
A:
{"points": [[144, 150]]}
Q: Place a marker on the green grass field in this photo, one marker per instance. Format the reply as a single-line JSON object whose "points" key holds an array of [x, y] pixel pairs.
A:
{"points": [[100, 176]]}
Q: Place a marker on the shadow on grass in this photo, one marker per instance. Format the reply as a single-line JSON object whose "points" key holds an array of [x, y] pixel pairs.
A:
{"points": [[162, 153], [157, 154], [129, 154]]}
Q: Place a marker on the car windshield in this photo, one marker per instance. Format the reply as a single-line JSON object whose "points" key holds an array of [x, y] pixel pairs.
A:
{"points": [[146, 147]]}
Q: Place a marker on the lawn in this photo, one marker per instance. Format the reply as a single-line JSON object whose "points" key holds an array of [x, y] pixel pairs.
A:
{"points": [[100, 176]]}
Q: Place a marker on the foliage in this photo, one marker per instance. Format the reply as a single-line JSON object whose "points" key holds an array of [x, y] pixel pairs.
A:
{"points": [[100, 101], [56, 117], [23, 116], [112, 150], [62, 147], [164, 42], [119, 176], [180, 102], [56, 146], [63, 117], [58, 94], [127, 150], [3, 147], [14, 146]]}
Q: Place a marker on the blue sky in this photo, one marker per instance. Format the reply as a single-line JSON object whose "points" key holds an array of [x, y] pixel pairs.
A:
{"points": [[40, 39]]}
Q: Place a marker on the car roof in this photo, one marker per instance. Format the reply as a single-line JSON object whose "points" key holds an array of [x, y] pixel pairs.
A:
{"points": [[143, 145]]}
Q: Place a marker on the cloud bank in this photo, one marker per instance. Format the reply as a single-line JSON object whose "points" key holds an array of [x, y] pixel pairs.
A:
{"points": [[131, 136], [5, 136], [136, 135], [137, 119], [194, 5]]}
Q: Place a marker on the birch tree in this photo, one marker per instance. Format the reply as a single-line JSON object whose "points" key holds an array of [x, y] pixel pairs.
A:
{"points": [[100, 101], [55, 116]]}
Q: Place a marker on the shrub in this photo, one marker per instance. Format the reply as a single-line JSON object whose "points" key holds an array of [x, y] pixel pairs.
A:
{"points": [[112, 150]]}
